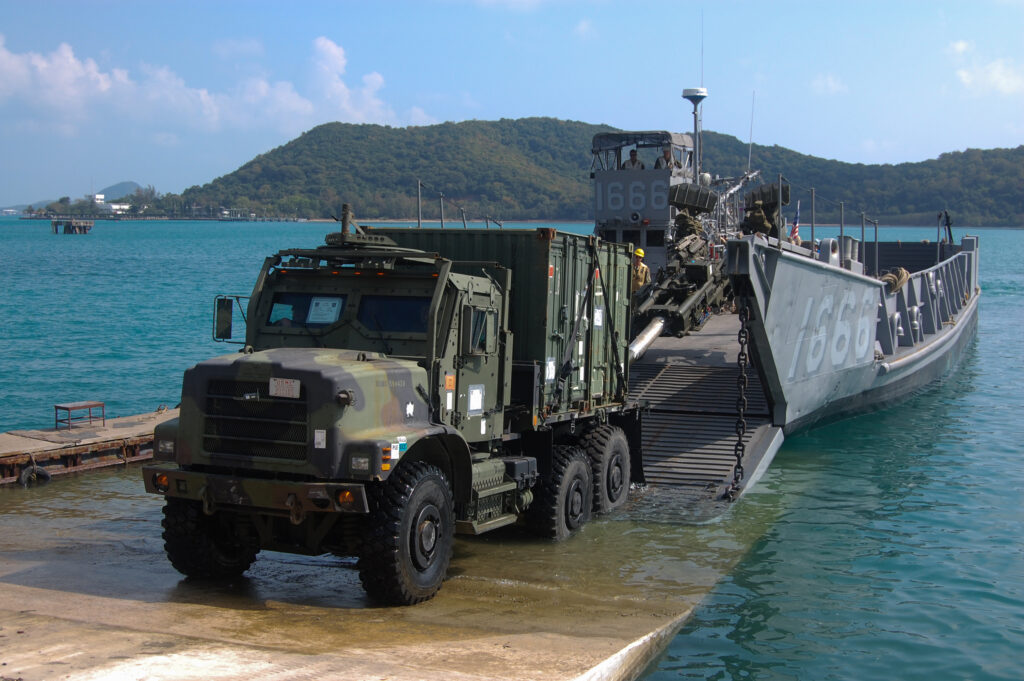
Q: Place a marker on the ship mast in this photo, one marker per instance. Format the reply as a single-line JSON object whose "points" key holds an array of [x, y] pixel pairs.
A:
{"points": [[696, 95]]}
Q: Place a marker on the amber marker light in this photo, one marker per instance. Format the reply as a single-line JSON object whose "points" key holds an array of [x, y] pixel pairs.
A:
{"points": [[345, 497], [161, 482]]}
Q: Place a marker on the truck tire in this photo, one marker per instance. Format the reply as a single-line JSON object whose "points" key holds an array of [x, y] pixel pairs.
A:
{"points": [[563, 500], [33, 475], [608, 451], [409, 536], [217, 547]]}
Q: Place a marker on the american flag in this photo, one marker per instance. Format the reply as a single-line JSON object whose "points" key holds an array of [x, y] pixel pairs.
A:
{"points": [[795, 231]]}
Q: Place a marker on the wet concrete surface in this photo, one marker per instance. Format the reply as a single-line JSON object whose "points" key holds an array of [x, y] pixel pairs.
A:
{"points": [[87, 593]]}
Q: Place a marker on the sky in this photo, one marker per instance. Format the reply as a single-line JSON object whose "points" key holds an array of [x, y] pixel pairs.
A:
{"points": [[175, 94]]}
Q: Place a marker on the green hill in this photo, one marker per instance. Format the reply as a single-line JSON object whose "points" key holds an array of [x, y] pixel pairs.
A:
{"points": [[538, 168]]}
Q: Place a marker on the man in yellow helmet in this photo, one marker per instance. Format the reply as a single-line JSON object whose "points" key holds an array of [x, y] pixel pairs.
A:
{"points": [[641, 273]]}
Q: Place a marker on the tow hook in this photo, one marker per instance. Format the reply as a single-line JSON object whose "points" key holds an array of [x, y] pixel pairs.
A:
{"points": [[297, 514], [207, 498]]}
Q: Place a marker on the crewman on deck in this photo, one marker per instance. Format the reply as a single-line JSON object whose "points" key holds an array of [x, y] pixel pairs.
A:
{"points": [[633, 163], [755, 221], [666, 160], [641, 273]]}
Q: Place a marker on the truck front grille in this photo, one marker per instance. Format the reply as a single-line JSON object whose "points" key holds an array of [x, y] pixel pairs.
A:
{"points": [[242, 419]]}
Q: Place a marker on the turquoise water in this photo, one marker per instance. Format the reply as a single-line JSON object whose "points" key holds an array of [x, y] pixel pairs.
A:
{"points": [[896, 552]]}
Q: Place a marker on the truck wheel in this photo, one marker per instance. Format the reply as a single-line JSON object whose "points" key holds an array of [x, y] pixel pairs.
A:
{"points": [[608, 450], [207, 547], [563, 499], [409, 537]]}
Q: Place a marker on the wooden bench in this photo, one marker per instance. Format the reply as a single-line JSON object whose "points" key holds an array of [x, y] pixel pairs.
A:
{"points": [[69, 417]]}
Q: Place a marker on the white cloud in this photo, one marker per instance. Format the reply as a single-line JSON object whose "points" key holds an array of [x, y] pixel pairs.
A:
{"points": [[1001, 76], [164, 94], [61, 93], [357, 106], [960, 47], [330, 56], [57, 83], [15, 74], [828, 84], [418, 116]]}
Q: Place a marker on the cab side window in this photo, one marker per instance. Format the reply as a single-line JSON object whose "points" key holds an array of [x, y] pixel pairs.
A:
{"points": [[479, 332]]}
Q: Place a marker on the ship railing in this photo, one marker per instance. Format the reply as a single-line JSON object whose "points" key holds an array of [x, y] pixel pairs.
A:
{"points": [[919, 305], [913, 308]]}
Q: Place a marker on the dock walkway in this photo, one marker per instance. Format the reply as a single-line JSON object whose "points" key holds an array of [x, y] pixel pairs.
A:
{"points": [[85, 446]]}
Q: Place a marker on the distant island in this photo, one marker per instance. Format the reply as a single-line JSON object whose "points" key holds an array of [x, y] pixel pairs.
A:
{"points": [[539, 169]]}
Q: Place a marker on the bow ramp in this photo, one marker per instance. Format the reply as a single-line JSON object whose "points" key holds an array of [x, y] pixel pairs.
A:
{"points": [[690, 429]]}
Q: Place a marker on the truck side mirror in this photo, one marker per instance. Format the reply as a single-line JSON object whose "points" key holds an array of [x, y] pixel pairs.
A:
{"points": [[223, 318], [223, 311]]}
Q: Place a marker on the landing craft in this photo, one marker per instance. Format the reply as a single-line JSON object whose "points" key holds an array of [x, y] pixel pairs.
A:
{"points": [[823, 329]]}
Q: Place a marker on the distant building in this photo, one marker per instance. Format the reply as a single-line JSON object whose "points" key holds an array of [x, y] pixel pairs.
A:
{"points": [[8, 211], [98, 199]]}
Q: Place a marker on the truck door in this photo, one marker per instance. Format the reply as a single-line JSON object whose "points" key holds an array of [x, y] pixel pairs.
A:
{"points": [[478, 394]]}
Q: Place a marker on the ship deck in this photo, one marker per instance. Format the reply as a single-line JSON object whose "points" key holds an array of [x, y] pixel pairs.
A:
{"points": [[689, 434]]}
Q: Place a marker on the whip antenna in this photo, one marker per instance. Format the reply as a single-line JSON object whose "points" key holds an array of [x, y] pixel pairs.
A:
{"points": [[750, 142]]}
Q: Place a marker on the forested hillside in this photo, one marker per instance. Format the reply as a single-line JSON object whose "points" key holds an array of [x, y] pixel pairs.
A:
{"points": [[538, 168]]}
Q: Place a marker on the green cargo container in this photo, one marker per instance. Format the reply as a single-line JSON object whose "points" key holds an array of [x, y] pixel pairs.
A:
{"points": [[561, 282]]}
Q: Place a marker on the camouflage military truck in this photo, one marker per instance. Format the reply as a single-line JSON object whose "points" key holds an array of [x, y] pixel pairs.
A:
{"points": [[398, 386]]}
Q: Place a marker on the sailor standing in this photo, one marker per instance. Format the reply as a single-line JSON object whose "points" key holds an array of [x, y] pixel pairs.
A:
{"points": [[633, 163], [641, 273], [666, 160]]}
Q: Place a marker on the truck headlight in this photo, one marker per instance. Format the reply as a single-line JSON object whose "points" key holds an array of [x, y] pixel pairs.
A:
{"points": [[164, 450]]}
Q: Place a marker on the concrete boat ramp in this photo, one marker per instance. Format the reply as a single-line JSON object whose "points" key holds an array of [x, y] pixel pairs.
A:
{"points": [[87, 593]]}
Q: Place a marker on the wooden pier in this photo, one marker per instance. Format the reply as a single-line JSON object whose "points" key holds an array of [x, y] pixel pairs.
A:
{"points": [[28, 456], [71, 226]]}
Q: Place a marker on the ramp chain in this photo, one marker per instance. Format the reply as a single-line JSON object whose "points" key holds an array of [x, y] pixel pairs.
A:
{"points": [[742, 361]]}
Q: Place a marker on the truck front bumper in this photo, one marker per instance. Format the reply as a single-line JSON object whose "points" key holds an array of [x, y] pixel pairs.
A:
{"points": [[229, 492]]}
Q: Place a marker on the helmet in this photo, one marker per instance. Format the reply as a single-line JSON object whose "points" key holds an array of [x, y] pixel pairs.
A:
{"points": [[639, 252]]}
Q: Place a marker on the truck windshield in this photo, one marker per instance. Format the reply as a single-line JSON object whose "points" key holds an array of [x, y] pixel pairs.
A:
{"points": [[394, 314], [310, 310]]}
